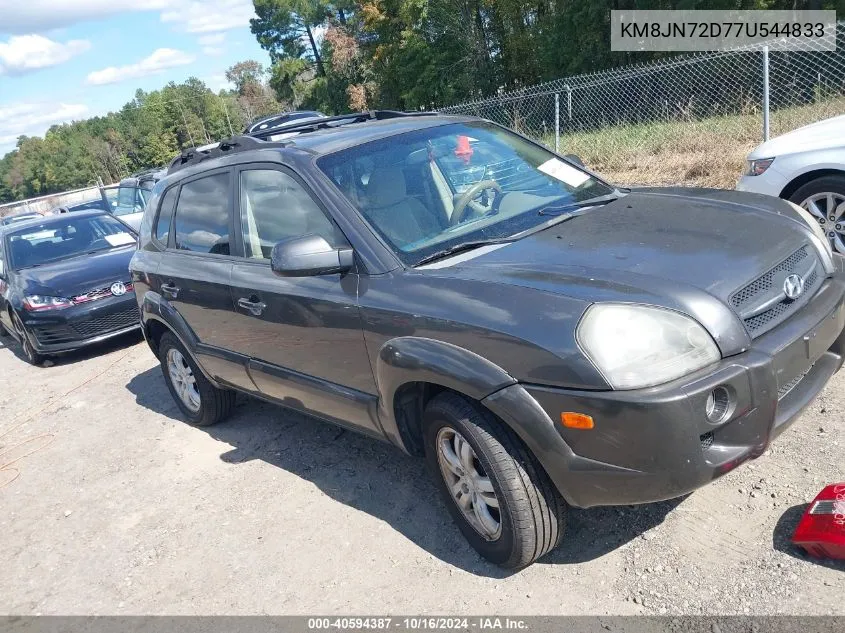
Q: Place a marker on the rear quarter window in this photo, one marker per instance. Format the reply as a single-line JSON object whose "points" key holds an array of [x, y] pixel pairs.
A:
{"points": [[161, 231]]}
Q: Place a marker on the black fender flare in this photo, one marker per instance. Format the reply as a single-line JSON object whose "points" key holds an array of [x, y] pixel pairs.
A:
{"points": [[156, 308], [410, 359]]}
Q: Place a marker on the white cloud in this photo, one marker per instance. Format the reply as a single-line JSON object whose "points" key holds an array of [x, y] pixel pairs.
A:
{"points": [[213, 39], [193, 16], [160, 60], [33, 119], [41, 15], [212, 44], [209, 16], [25, 53]]}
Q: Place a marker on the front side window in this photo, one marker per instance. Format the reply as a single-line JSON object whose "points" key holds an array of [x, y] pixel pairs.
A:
{"points": [[201, 222], [275, 207], [432, 189], [70, 237]]}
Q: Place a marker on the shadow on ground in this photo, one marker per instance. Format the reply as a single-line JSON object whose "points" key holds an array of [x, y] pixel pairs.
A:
{"points": [[782, 539], [380, 480], [119, 342]]}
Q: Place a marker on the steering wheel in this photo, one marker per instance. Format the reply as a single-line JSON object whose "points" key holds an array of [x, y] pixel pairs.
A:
{"points": [[459, 210]]}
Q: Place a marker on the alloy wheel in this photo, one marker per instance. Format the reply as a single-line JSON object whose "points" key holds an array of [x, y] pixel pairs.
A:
{"points": [[28, 351], [828, 207], [468, 483], [183, 380]]}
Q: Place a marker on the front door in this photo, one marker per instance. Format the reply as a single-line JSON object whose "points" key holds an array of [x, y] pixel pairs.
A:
{"points": [[303, 334]]}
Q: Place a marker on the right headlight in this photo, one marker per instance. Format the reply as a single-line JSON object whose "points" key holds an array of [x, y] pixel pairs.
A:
{"points": [[820, 240], [636, 346]]}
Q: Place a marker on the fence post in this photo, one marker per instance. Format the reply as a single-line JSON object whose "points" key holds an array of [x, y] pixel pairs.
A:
{"points": [[569, 102], [557, 122], [765, 93]]}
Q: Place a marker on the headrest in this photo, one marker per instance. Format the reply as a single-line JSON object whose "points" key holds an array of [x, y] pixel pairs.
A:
{"points": [[386, 186]]}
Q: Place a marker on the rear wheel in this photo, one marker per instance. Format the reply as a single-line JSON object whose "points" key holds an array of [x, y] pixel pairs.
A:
{"points": [[501, 498], [32, 357], [202, 403], [824, 198]]}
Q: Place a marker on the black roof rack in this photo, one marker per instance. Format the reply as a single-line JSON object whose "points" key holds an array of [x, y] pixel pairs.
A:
{"points": [[194, 155], [312, 125], [257, 140]]}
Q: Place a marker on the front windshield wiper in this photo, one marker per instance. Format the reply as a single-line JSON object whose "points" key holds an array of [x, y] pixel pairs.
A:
{"points": [[462, 247], [558, 209]]}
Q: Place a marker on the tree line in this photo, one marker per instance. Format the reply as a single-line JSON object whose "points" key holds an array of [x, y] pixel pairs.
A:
{"points": [[337, 56]]}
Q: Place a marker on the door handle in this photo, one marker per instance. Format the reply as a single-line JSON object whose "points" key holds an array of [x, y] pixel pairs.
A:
{"points": [[253, 304], [170, 289]]}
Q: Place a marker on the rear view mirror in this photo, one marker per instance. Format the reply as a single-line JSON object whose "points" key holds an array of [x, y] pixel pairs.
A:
{"points": [[574, 159], [309, 255]]}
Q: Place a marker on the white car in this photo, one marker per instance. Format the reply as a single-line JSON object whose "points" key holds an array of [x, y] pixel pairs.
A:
{"points": [[807, 167]]}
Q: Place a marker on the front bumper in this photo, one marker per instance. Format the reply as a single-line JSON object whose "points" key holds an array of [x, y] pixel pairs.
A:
{"points": [[656, 443], [58, 331], [771, 182]]}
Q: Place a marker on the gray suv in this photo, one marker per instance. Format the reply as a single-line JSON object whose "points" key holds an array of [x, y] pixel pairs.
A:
{"points": [[543, 338]]}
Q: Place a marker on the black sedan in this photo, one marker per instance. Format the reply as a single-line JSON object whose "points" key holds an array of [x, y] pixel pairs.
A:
{"points": [[64, 282]]}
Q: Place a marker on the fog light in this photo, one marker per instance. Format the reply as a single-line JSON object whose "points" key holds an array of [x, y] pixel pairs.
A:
{"points": [[718, 405]]}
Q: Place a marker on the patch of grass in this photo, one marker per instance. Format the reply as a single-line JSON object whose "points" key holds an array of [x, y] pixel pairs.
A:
{"points": [[706, 153]]}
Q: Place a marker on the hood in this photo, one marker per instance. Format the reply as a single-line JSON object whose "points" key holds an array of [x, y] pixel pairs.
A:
{"points": [[825, 134], [77, 275], [671, 247]]}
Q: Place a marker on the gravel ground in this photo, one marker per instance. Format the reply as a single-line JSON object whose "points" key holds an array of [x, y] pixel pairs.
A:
{"points": [[122, 508]]}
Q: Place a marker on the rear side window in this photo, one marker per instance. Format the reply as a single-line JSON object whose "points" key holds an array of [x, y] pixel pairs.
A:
{"points": [[202, 215], [165, 215]]}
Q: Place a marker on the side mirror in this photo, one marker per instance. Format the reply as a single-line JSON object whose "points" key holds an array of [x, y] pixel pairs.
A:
{"points": [[309, 255], [575, 159]]}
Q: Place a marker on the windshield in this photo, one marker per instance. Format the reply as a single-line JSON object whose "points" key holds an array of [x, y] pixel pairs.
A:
{"points": [[68, 237], [434, 189], [129, 200]]}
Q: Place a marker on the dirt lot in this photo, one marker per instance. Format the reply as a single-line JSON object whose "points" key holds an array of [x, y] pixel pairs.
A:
{"points": [[122, 508]]}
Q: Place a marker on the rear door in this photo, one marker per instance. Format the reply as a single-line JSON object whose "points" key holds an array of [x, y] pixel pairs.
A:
{"points": [[195, 270], [303, 335]]}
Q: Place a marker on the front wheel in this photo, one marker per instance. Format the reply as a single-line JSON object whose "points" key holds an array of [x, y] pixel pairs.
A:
{"points": [[32, 357], [202, 403], [501, 498], [824, 198]]}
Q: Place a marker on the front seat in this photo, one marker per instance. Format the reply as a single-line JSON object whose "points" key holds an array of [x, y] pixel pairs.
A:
{"points": [[402, 218]]}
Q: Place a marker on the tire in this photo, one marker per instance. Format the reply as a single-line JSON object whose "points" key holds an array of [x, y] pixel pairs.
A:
{"points": [[211, 405], [531, 512], [825, 189], [29, 353]]}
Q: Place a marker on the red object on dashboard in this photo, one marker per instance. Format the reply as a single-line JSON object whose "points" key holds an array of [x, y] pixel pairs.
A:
{"points": [[821, 531], [464, 150]]}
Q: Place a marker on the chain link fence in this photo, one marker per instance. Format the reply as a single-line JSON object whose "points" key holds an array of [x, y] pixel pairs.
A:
{"points": [[688, 119]]}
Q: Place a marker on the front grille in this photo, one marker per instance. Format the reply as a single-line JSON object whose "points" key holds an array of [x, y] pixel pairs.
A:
{"points": [[750, 300], [786, 388], [108, 322], [99, 293], [706, 440], [53, 334]]}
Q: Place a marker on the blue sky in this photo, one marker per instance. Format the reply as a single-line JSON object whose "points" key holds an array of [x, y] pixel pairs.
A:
{"points": [[62, 60]]}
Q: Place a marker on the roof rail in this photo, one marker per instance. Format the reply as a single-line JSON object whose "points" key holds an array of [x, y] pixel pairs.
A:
{"points": [[194, 155], [312, 125], [256, 140]]}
